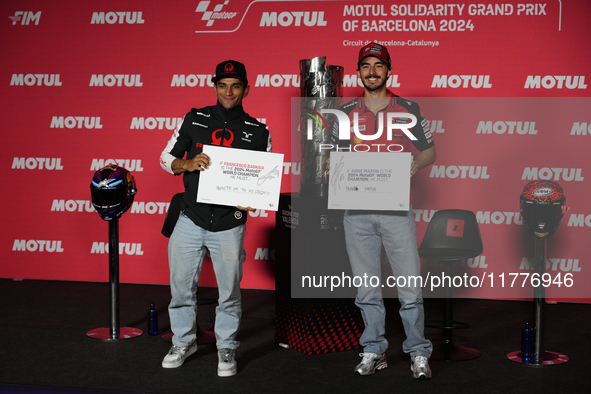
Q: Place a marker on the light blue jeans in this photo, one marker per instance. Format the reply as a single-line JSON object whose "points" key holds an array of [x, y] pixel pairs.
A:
{"points": [[365, 233], [187, 247]]}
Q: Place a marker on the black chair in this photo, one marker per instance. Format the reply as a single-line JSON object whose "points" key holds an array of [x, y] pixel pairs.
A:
{"points": [[452, 235], [172, 215]]}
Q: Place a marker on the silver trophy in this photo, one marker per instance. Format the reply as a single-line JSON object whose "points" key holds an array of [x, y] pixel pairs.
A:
{"points": [[321, 88]]}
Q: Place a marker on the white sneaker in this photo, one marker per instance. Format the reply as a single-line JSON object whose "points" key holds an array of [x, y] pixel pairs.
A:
{"points": [[419, 365], [177, 355], [226, 363], [370, 363]]}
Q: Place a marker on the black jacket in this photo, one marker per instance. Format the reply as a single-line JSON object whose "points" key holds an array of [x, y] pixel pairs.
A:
{"points": [[215, 125]]}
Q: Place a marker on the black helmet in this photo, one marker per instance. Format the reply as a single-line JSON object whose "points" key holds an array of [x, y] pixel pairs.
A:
{"points": [[113, 190], [542, 207]]}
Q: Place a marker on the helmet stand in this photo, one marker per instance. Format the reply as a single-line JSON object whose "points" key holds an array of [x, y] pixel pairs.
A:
{"points": [[114, 332], [542, 204], [541, 357]]}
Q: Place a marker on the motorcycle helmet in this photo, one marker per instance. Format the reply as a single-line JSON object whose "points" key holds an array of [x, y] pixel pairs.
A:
{"points": [[542, 207], [112, 190]]}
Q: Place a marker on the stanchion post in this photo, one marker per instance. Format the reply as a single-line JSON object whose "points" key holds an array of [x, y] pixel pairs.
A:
{"points": [[114, 332], [539, 299], [114, 276]]}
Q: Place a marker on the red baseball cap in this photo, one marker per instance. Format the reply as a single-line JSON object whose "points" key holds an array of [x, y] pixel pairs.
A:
{"points": [[377, 50]]}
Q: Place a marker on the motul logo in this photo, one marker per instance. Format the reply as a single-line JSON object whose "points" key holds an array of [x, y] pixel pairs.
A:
{"points": [[76, 122], [278, 80], [72, 206], [497, 217], [191, 80], [424, 215], [264, 254], [555, 82], [122, 17], [472, 172], [258, 213], [293, 168], [462, 81], [35, 80], [130, 249], [110, 80], [582, 128], [579, 220], [565, 265], [155, 123], [511, 127], [477, 262], [556, 174], [437, 126], [23, 245], [37, 163], [296, 18], [128, 164], [151, 208]]}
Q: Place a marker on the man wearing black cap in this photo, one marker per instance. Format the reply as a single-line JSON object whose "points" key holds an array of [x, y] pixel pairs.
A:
{"points": [[366, 231], [207, 228]]}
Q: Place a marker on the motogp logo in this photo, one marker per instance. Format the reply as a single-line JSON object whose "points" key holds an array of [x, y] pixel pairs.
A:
{"points": [[216, 14]]}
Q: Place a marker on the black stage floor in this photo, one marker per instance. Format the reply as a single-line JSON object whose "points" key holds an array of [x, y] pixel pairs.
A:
{"points": [[44, 348]]}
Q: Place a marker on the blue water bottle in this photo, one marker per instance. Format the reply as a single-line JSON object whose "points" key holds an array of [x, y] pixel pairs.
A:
{"points": [[527, 343], [152, 320]]}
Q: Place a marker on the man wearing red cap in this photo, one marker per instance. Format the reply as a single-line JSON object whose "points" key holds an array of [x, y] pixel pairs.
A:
{"points": [[207, 228], [366, 231]]}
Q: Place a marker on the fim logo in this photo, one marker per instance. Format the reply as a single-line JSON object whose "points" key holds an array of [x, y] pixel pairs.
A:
{"points": [[26, 17], [352, 189]]}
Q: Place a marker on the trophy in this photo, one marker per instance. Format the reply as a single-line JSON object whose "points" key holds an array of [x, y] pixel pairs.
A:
{"points": [[321, 88]]}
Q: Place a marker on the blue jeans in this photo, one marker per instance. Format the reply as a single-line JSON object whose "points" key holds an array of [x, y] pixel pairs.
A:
{"points": [[365, 234], [186, 249]]}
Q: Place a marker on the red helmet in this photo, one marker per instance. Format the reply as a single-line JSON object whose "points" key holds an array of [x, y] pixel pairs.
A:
{"points": [[542, 207]]}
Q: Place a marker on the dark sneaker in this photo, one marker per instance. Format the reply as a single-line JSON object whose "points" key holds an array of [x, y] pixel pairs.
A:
{"points": [[419, 365], [177, 355], [226, 363], [370, 363]]}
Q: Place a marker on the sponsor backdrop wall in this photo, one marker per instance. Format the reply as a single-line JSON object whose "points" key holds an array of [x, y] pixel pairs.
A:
{"points": [[84, 84]]}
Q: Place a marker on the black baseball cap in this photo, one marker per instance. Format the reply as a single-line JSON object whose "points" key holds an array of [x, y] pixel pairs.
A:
{"points": [[230, 69]]}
